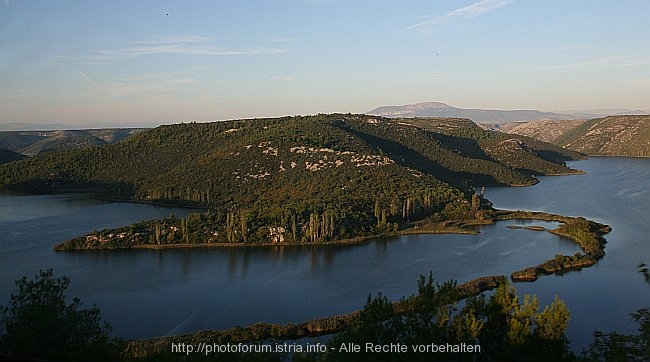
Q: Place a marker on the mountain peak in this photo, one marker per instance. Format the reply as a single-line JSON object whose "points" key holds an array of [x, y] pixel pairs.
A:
{"points": [[438, 105], [438, 109]]}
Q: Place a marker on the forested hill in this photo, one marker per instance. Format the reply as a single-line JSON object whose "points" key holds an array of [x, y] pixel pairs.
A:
{"points": [[8, 156], [33, 142], [349, 171], [610, 136]]}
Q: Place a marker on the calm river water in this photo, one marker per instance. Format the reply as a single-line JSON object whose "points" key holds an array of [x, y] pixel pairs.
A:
{"points": [[145, 293]]}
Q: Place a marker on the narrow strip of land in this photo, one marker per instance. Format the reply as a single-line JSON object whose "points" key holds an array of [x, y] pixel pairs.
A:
{"points": [[587, 234]]}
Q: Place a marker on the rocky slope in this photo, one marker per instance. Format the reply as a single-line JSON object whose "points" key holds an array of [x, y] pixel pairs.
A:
{"points": [[547, 131], [610, 136]]}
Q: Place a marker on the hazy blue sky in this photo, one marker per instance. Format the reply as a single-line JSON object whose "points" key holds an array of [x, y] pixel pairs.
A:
{"points": [[170, 61]]}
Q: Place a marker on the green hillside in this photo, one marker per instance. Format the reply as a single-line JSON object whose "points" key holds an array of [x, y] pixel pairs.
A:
{"points": [[16, 141], [523, 153], [33, 142], [296, 179], [61, 140], [610, 136], [8, 156]]}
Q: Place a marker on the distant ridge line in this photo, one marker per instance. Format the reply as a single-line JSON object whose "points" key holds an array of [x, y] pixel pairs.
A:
{"points": [[493, 116]]}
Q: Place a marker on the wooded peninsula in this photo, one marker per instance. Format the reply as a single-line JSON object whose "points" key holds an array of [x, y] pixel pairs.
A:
{"points": [[323, 179]]}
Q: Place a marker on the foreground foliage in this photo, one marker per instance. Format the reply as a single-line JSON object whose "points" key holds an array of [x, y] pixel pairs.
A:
{"points": [[614, 346], [503, 327], [40, 324], [158, 347]]}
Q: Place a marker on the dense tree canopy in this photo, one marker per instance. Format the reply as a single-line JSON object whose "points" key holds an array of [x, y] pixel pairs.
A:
{"points": [[295, 179], [40, 324], [505, 328]]}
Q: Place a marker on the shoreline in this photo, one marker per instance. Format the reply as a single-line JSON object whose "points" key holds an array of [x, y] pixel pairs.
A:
{"points": [[619, 156], [178, 205], [144, 348], [445, 227], [586, 233], [333, 324], [151, 347], [453, 227], [460, 230]]}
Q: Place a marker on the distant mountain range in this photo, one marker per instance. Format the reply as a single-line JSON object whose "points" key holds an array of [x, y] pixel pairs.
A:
{"points": [[437, 109], [603, 112], [26, 126], [21, 126], [34, 142]]}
